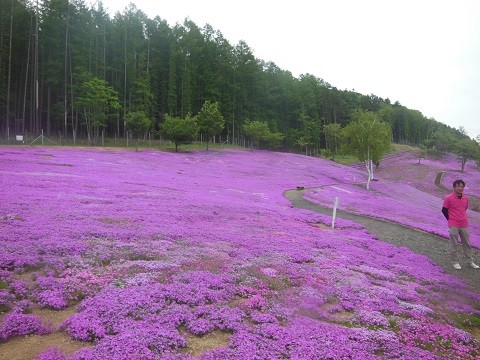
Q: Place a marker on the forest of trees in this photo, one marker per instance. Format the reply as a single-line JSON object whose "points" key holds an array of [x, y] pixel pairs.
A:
{"points": [[69, 70]]}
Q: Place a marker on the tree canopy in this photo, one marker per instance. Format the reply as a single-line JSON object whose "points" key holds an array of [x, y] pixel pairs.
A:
{"points": [[97, 101], [333, 134], [467, 149], [180, 130], [210, 120], [256, 131], [138, 124], [367, 137], [64, 55]]}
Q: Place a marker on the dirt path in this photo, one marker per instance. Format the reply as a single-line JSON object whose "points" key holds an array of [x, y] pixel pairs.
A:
{"points": [[433, 246]]}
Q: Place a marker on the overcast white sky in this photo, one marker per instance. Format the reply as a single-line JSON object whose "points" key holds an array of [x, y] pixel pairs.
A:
{"points": [[423, 53]]}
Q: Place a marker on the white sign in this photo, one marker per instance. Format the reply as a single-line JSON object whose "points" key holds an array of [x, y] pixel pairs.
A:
{"points": [[19, 137]]}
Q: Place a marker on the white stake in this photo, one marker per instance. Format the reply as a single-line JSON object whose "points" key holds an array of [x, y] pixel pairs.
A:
{"points": [[335, 205]]}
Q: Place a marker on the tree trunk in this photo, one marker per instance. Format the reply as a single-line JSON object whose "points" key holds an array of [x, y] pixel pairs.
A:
{"points": [[72, 110], [65, 79], [48, 110], [88, 126], [9, 68], [369, 165], [26, 77], [125, 81], [1, 33], [36, 116]]}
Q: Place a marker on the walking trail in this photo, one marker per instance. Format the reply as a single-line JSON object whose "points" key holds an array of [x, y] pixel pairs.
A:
{"points": [[433, 246]]}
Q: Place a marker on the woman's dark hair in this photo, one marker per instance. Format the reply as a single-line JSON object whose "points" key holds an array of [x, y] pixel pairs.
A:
{"points": [[458, 182]]}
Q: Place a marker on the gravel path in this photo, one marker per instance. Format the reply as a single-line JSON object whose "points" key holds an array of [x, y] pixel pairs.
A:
{"points": [[433, 246]]}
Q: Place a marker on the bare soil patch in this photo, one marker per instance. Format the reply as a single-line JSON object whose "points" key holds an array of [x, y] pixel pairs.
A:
{"points": [[196, 345], [29, 347]]}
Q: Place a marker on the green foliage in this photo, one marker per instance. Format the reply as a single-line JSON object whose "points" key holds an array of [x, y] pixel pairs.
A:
{"points": [[467, 321], [256, 131], [333, 135], [367, 137], [178, 130], [159, 70], [210, 120], [442, 141], [137, 123], [259, 133], [97, 101], [143, 95], [466, 149], [326, 153], [310, 130], [274, 139], [421, 152]]}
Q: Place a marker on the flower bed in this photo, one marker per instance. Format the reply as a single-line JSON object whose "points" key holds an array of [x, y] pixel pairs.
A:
{"points": [[158, 251], [405, 192]]}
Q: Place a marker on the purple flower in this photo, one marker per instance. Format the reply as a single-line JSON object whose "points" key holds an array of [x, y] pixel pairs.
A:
{"points": [[17, 324], [157, 257], [51, 354]]}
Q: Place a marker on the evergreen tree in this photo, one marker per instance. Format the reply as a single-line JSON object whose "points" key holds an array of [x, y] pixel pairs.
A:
{"points": [[332, 138], [162, 70]]}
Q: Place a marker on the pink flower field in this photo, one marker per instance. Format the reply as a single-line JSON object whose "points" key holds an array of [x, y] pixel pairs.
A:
{"points": [[406, 193], [199, 255]]}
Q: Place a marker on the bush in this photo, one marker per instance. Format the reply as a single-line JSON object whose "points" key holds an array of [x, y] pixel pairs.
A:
{"points": [[16, 324]]}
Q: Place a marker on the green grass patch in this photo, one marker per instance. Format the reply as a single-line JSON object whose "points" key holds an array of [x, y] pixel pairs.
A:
{"points": [[467, 321], [346, 159], [402, 147]]}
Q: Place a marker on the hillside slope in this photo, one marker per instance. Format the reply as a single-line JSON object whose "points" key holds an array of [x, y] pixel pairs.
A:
{"points": [[198, 255]]}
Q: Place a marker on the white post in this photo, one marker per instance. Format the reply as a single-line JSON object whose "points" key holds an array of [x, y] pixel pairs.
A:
{"points": [[335, 205]]}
